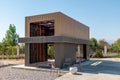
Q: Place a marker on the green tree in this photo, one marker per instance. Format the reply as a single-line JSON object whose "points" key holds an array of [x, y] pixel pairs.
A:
{"points": [[3, 48], [0, 45], [94, 44], [11, 37], [116, 46], [117, 42]]}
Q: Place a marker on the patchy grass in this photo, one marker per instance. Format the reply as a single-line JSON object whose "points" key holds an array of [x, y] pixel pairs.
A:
{"points": [[118, 56], [21, 56]]}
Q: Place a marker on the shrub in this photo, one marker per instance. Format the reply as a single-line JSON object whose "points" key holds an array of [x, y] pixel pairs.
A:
{"points": [[10, 50], [51, 51], [98, 54], [14, 50]]}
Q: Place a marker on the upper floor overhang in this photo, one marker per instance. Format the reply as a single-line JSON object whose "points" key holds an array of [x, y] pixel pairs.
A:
{"points": [[53, 39]]}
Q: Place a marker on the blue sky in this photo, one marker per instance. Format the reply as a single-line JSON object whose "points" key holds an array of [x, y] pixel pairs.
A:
{"points": [[102, 16]]}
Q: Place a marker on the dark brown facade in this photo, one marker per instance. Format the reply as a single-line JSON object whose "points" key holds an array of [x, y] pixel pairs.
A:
{"points": [[58, 29]]}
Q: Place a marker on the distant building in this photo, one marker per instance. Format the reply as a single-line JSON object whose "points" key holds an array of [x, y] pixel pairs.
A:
{"points": [[58, 29]]}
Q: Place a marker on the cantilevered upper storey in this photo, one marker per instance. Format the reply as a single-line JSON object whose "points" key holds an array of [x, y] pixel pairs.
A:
{"points": [[60, 25], [65, 33]]}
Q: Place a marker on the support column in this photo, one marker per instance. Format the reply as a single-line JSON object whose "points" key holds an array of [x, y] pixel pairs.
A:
{"points": [[27, 55], [59, 55], [78, 55], [84, 51], [64, 51], [18, 50]]}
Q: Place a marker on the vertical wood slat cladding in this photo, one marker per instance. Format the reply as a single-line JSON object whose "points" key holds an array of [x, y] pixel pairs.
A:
{"points": [[37, 33], [64, 25], [46, 55], [42, 44], [32, 53], [67, 26], [37, 50]]}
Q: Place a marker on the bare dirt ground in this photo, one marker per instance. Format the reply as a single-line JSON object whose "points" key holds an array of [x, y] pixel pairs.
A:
{"points": [[11, 61]]}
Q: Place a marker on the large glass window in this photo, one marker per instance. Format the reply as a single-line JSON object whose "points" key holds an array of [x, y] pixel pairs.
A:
{"points": [[38, 51], [43, 28]]}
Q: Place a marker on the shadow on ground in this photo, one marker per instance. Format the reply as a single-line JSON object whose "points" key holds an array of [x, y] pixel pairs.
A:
{"points": [[6, 65], [100, 66]]}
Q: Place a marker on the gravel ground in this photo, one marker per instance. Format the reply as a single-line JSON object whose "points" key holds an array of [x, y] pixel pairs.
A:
{"points": [[95, 69], [8, 73]]}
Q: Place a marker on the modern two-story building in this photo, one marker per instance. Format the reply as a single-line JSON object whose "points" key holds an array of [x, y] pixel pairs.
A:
{"points": [[66, 34]]}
